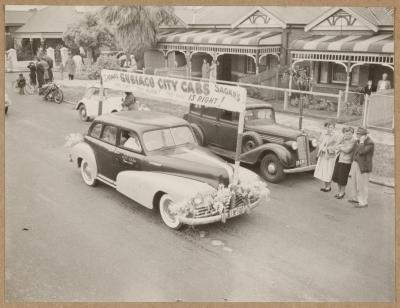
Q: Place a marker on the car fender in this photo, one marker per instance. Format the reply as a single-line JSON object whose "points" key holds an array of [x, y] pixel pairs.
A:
{"points": [[91, 107], [82, 150], [142, 186], [78, 105], [253, 156]]}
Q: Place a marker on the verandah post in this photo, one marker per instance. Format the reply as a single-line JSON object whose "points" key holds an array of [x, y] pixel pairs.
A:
{"points": [[365, 111], [339, 104]]}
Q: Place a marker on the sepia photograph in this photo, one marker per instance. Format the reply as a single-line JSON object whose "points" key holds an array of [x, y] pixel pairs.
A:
{"points": [[199, 153]]}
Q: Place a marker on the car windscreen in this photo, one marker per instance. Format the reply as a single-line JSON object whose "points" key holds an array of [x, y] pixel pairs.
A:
{"points": [[260, 116], [167, 137]]}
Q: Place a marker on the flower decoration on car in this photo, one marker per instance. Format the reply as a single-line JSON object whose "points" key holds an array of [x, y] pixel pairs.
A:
{"points": [[222, 200]]}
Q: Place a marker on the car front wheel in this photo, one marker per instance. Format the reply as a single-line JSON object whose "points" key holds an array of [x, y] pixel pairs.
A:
{"points": [[88, 175], [83, 113], [271, 168], [167, 216]]}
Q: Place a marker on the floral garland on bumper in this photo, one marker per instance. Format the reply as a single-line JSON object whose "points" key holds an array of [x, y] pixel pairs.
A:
{"points": [[220, 201]]}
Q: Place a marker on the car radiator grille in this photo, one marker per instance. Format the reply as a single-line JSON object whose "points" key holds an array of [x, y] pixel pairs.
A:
{"points": [[303, 150], [204, 211]]}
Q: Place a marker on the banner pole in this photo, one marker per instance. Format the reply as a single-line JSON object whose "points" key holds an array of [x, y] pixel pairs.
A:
{"points": [[238, 147]]}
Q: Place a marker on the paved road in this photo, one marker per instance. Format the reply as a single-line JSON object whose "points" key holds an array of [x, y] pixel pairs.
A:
{"points": [[66, 241]]}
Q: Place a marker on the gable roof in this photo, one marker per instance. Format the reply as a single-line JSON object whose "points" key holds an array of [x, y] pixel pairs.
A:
{"points": [[297, 15], [17, 18], [51, 19], [370, 17], [262, 10]]}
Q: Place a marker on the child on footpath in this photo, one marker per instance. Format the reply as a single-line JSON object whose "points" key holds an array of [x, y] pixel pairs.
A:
{"points": [[21, 83]]}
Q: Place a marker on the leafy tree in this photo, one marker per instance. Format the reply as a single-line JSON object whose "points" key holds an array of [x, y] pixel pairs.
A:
{"points": [[137, 27], [90, 33]]}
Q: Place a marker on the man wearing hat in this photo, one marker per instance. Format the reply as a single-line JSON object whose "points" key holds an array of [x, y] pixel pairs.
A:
{"points": [[361, 168]]}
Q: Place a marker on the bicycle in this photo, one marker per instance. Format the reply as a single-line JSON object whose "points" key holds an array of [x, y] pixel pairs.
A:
{"points": [[28, 89]]}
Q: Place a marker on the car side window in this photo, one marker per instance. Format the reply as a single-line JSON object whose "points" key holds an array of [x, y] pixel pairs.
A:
{"points": [[130, 141], [109, 134], [229, 116], [194, 108], [96, 130], [210, 112]]}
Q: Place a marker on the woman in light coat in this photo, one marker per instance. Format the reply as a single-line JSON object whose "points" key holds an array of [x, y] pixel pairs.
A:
{"points": [[70, 67], [345, 149], [326, 156]]}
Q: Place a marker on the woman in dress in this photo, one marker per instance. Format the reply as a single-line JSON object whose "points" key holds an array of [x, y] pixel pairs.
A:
{"points": [[345, 149], [213, 71], [326, 156]]}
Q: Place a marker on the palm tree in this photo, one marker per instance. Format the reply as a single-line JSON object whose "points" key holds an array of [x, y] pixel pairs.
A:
{"points": [[137, 26]]}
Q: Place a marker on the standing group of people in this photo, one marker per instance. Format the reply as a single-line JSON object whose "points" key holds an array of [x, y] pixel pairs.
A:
{"points": [[41, 70], [209, 72], [341, 157]]}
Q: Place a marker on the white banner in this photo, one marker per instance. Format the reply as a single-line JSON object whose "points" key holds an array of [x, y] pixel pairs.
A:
{"points": [[209, 94]]}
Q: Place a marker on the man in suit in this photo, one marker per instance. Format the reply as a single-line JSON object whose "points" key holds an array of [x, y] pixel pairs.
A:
{"points": [[361, 168], [369, 88]]}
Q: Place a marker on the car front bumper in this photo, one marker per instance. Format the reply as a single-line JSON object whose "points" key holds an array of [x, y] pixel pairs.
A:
{"points": [[215, 218], [300, 169]]}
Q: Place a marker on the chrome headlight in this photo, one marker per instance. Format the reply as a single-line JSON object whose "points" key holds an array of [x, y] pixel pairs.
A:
{"points": [[314, 142], [292, 144]]}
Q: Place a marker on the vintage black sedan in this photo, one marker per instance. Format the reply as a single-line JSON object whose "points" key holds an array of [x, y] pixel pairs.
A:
{"points": [[154, 159], [275, 148]]}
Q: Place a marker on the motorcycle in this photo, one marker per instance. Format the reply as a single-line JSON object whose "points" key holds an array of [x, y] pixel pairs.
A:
{"points": [[52, 92]]}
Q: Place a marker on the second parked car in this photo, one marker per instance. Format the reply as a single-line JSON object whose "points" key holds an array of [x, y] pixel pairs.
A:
{"points": [[88, 106], [276, 149]]}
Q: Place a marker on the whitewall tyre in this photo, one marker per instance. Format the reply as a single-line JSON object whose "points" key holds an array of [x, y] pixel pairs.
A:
{"points": [[88, 175], [168, 218]]}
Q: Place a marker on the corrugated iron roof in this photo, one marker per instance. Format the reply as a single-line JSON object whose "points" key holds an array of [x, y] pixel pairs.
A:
{"points": [[302, 15], [17, 18]]}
